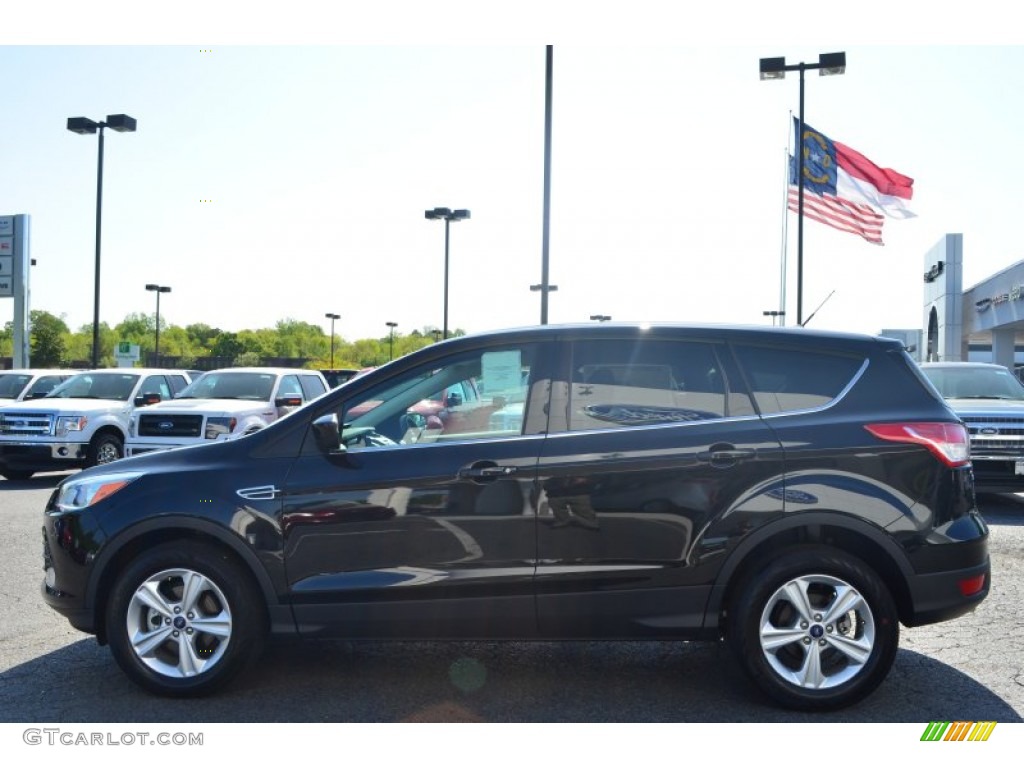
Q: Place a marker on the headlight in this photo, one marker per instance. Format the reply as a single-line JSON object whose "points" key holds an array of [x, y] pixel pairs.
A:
{"points": [[78, 493], [220, 425], [66, 424]]}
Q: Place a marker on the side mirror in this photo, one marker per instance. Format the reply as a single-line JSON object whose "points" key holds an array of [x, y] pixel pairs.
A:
{"points": [[281, 402], [327, 433], [453, 400], [148, 398]]}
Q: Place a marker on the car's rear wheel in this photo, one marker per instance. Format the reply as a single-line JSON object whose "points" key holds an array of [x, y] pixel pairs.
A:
{"points": [[815, 628], [184, 618]]}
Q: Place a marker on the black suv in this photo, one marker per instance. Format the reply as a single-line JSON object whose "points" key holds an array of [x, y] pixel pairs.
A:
{"points": [[799, 494]]}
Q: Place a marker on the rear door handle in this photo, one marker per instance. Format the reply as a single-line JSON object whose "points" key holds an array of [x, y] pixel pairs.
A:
{"points": [[725, 455]]}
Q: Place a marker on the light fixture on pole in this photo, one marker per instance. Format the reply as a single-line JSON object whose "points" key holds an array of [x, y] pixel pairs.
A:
{"points": [[391, 345], [774, 313], [333, 318], [601, 318], [776, 69], [546, 288], [159, 289], [449, 216], [83, 125]]}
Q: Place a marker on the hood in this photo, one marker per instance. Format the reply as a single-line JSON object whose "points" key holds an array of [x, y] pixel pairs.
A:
{"points": [[210, 406], [68, 405], [986, 406]]}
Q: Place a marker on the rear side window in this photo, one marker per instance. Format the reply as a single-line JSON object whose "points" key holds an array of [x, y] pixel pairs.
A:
{"points": [[626, 383], [795, 379]]}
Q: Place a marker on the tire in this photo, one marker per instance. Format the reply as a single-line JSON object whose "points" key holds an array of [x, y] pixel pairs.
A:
{"points": [[16, 474], [183, 619], [103, 449], [815, 629]]}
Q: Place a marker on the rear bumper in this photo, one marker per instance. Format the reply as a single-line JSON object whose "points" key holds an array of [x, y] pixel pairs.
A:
{"points": [[945, 595]]}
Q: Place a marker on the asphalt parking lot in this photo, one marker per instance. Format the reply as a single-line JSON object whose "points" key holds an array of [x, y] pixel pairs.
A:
{"points": [[968, 669]]}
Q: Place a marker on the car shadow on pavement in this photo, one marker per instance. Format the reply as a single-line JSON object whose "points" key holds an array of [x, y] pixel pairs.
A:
{"points": [[1001, 509], [524, 682], [36, 482]]}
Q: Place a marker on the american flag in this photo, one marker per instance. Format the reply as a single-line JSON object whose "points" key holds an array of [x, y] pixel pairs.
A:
{"points": [[856, 218]]}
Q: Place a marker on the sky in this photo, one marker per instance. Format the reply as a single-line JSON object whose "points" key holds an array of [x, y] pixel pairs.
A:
{"points": [[287, 180]]}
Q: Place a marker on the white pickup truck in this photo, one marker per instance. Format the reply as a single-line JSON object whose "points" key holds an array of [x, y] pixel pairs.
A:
{"points": [[82, 422], [222, 405]]}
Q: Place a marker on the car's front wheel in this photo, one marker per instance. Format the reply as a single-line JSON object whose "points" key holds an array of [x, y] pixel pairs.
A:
{"points": [[104, 448], [184, 618], [815, 628]]}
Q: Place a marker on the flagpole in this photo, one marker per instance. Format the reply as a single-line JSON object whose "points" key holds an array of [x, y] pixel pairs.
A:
{"points": [[785, 222], [800, 205]]}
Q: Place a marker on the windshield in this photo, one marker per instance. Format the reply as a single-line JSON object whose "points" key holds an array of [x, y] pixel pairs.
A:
{"points": [[231, 385], [969, 383], [11, 384], [98, 386]]}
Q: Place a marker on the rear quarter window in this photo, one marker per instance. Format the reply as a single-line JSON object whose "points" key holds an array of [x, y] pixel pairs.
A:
{"points": [[784, 379]]}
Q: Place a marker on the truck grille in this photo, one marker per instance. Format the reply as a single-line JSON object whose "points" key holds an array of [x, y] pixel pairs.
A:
{"points": [[21, 424], [170, 425], [996, 436]]}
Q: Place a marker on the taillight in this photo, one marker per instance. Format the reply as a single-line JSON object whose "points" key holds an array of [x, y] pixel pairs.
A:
{"points": [[949, 442]]}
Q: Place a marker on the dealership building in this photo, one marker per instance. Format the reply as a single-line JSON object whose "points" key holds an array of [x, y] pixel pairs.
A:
{"points": [[985, 323]]}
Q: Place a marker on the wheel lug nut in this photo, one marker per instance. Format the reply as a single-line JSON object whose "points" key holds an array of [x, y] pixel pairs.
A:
{"points": [[817, 617], [807, 641], [190, 615], [821, 643], [176, 633], [829, 629], [804, 625], [177, 609], [189, 631]]}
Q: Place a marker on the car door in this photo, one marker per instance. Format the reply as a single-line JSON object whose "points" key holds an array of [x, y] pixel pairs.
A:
{"points": [[406, 527], [651, 440]]}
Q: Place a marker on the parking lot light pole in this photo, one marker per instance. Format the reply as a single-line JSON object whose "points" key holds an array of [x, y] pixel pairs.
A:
{"points": [[83, 125], [449, 216], [333, 317], [776, 69], [391, 343], [774, 313], [159, 289]]}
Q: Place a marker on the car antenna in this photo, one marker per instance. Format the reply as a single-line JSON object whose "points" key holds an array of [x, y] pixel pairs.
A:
{"points": [[805, 322]]}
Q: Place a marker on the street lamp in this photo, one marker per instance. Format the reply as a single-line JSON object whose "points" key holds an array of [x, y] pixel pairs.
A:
{"points": [[776, 69], [546, 288], [83, 125], [601, 318], [333, 318], [391, 351], [449, 216], [774, 313], [159, 289]]}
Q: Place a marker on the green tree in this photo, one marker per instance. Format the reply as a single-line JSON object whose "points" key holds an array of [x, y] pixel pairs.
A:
{"points": [[47, 339]]}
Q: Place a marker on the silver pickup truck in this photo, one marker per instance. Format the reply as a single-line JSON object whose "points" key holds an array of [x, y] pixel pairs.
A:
{"points": [[990, 400]]}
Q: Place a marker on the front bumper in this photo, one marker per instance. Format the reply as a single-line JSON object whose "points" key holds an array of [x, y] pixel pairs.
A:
{"points": [[999, 474], [23, 454]]}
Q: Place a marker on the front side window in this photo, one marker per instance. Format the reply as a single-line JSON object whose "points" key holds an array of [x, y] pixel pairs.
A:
{"points": [[444, 402], [621, 383]]}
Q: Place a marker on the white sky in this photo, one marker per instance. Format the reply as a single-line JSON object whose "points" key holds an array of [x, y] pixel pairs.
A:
{"points": [[318, 155]]}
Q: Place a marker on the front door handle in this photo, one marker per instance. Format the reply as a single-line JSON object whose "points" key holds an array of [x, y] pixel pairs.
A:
{"points": [[484, 471]]}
